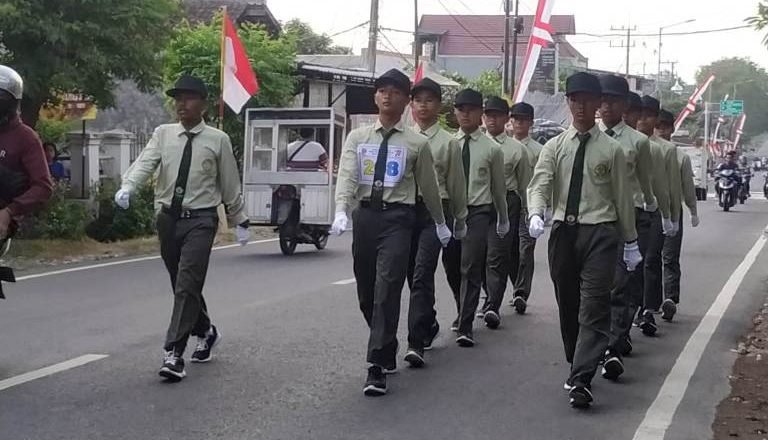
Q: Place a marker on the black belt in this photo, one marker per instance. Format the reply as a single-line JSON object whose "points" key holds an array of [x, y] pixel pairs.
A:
{"points": [[384, 205], [191, 213]]}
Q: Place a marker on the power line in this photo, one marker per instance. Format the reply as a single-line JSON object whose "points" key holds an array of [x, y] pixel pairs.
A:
{"points": [[392, 47], [464, 27], [348, 30]]}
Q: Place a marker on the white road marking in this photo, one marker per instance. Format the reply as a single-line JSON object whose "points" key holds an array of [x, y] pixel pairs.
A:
{"points": [[47, 371], [122, 262], [661, 412], [345, 282]]}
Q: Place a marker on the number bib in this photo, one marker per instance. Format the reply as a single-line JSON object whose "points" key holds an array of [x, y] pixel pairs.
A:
{"points": [[396, 161]]}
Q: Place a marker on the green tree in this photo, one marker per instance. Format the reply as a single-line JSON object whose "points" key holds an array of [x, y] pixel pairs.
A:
{"points": [[760, 21], [195, 49], [308, 42], [83, 46], [742, 79]]}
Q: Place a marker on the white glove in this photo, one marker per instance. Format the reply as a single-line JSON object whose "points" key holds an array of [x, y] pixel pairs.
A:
{"points": [[694, 220], [535, 226], [632, 256], [653, 207], [242, 234], [443, 233], [123, 198], [339, 223], [502, 229], [667, 227]]}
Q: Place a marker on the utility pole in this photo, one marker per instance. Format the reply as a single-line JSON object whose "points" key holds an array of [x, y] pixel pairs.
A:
{"points": [[416, 39], [373, 34], [516, 31], [628, 45], [505, 73]]}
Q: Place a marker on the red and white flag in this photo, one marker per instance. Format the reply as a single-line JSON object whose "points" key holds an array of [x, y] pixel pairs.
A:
{"points": [[691, 106], [238, 81], [418, 75], [739, 129], [541, 36]]}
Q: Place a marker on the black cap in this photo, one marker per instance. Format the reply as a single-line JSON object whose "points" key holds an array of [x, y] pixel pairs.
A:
{"points": [[394, 77], [650, 103], [522, 109], [634, 102], [468, 97], [582, 82], [614, 85], [428, 85], [665, 116], [494, 103], [188, 83]]}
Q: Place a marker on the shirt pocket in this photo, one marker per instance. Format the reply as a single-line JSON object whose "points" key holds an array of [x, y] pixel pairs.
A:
{"points": [[480, 176], [207, 161], [600, 172]]}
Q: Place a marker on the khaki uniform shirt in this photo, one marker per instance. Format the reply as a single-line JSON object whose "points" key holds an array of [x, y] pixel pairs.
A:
{"points": [[213, 175], [486, 171], [605, 196], [517, 168], [637, 150], [534, 151], [687, 183], [672, 170], [409, 162], [446, 154]]}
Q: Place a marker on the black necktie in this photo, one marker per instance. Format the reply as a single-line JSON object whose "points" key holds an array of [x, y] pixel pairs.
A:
{"points": [[465, 158], [380, 170], [577, 179], [181, 180], [610, 132]]}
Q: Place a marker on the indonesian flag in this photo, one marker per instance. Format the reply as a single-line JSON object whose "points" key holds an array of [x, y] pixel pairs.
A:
{"points": [[238, 82], [541, 36], [691, 106], [739, 129], [418, 75]]}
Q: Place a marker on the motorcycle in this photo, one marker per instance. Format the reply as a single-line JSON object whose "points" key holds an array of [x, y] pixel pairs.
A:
{"points": [[746, 178], [291, 231], [727, 188]]}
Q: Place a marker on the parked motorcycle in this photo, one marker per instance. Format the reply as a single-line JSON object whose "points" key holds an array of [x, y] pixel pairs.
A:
{"points": [[727, 188], [292, 231]]}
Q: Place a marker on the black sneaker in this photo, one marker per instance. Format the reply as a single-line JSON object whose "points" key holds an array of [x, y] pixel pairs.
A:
{"points": [[567, 386], [455, 325], [205, 345], [624, 346], [580, 397], [648, 324], [481, 313], [376, 383], [173, 367], [492, 319], [668, 310], [415, 357], [465, 340], [433, 332], [613, 367], [520, 305]]}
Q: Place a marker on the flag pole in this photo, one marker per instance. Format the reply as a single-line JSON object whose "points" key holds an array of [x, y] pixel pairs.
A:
{"points": [[221, 70]]}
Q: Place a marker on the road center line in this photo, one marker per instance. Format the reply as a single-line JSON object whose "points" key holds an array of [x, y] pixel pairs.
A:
{"points": [[659, 416], [47, 371], [122, 262], [344, 282]]}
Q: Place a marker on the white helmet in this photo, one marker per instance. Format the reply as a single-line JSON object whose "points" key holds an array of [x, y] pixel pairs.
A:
{"points": [[11, 82]]}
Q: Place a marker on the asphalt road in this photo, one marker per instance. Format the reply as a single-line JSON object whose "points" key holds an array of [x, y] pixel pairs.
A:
{"points": [[291, 364]]}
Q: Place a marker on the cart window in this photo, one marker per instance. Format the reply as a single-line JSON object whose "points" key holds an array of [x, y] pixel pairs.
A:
{"points": [[261, 148], [303, 148]]}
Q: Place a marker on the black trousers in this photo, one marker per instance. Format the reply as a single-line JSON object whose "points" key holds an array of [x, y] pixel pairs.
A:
{"points": [[582, 262], [473, 254], [381, 244], [652, 267], [503, 257], [524, 280], [424, 257], [627, 291], [670, 256], [185, 246]]}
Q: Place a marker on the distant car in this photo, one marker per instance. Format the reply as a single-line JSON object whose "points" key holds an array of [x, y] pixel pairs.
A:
{"points": [[544, 130]]}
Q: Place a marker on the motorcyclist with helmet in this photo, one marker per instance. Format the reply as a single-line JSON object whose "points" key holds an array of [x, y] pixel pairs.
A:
{"points": [[730, 164], [25, 182]]}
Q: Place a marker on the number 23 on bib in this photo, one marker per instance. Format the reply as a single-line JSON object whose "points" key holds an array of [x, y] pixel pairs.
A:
{"points": [[367, 154]]}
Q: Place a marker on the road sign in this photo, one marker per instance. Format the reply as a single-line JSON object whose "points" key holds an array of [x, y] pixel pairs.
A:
{"points": [[732, 108]]}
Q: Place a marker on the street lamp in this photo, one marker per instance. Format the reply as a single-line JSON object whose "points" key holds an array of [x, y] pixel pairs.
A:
{"points": [[661, 31]]}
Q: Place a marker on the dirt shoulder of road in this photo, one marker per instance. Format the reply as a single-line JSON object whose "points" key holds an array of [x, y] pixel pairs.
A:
{"points": [[32, 255], [744, 413]]}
